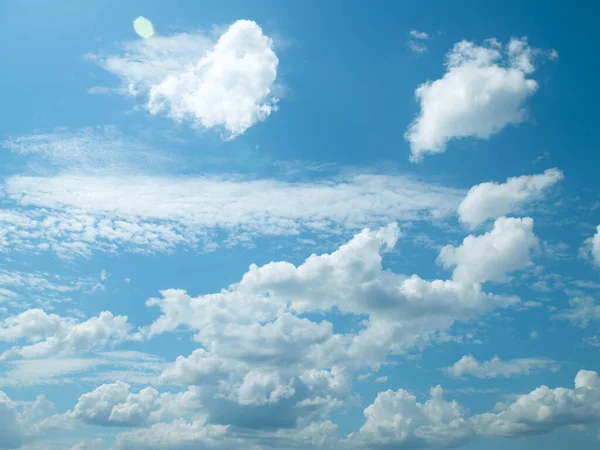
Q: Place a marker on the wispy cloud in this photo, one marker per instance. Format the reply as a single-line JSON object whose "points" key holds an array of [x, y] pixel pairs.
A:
{"points": [[77, 215]]}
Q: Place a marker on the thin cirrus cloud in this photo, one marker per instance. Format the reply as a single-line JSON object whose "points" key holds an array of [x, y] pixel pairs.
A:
{"points": [[483, 90], [86, 150], [77, 215], [468, 366], [227, 84], [490, 200]]}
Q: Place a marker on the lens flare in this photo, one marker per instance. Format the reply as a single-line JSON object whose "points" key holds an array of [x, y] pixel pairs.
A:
{"points": [[143, 27]]}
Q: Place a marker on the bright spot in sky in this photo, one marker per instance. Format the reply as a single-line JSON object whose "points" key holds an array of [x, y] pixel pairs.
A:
{"points": [[143, 27]]}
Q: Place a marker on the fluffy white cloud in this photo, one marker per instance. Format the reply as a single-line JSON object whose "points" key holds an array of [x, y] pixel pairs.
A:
{"points": [[544, 410], [260, 359], [397, 420], [226, 84], [114, 404], [493, 255], [255, 318], [592, 245], [57, 336], [495, 367], [481, 92], [77, 215], [198, 368], [491, 200], [582, 311], [32, 325]]}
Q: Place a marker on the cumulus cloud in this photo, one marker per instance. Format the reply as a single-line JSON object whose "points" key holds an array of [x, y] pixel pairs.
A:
{"points": [[543, 410], [491, 200], [493, 255], [57, 336], [397, 420], [12, 434], [483, 90], [226, 84], [495, 367], [350, 280], [23, 422], [114, 404], [259, 358], [76, 215], [592, 246]]}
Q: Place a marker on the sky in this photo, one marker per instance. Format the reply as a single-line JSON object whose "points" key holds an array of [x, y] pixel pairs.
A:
{"points": [[293, 225]]}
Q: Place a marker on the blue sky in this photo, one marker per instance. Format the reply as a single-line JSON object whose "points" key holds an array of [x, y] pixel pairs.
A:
{"points": [[298, 225]]}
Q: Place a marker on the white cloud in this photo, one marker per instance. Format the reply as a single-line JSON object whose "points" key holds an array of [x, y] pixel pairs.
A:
{"points": [[351, 280], [397, 420], [86, 150], [419, 34], [257, 353], [114, 404], [46, 283], [491, 200], [582, 311], [417, 47], [77, 215], [544, 410], [32, 325], [592, 246], [58, 336], [226, 84], [481, 93], [176, 435], [23, 422], [493, 255], [138, 368], [469, 366]]}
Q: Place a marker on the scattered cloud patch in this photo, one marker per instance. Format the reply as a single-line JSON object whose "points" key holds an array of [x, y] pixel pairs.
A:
{"points": [[468, 366], [484, 89], [491, 200], [582, 311], [416, 43]]}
